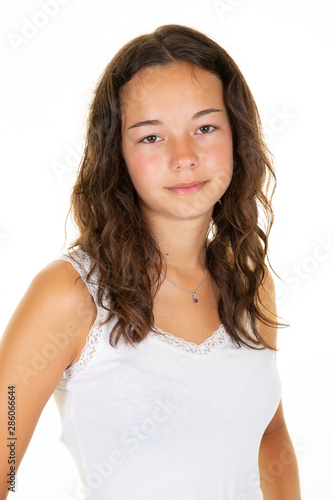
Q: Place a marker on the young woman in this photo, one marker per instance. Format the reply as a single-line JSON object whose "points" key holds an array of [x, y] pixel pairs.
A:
{"points": [[156, 330]]}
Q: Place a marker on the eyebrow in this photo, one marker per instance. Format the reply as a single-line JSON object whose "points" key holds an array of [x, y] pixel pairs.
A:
{"points": [[199, 114]]}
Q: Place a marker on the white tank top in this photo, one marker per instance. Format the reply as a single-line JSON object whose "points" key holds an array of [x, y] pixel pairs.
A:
{"points": [[168, 419]]}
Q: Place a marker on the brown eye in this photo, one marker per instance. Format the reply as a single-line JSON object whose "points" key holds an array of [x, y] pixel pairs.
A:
{"points": [[151, 139], [205, 129]]}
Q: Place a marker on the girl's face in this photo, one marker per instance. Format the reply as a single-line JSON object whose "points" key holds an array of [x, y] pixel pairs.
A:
{"points": [[176, 140]]}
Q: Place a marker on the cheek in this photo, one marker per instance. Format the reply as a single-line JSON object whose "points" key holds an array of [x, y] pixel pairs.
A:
{"points": [[222, 164], [221, 176], [141, 174], [145, 166], [226, 174]]}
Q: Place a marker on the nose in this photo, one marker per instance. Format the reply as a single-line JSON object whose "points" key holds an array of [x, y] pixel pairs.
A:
{"points": [[183, 155]]}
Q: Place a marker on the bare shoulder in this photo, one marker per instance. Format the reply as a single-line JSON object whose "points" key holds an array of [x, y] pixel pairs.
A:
{"points": [[56, 305], [62, 289], [60, 279], [61, 282]]}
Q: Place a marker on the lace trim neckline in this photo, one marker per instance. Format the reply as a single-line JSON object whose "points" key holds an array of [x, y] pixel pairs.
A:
{"points": [[219, 338]]}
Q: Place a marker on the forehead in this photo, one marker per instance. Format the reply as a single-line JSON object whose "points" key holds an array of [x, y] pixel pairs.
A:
{"points": [[175, 80]]}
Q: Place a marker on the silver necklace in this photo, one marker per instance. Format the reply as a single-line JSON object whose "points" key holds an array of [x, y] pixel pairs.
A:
{"points": [[195, 300]]}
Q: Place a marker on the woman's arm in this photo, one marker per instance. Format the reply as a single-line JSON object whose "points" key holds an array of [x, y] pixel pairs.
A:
{"points": [[279, 477], [42, 339]]}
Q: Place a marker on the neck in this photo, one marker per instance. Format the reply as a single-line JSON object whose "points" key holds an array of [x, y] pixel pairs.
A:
{"points": [[182, 244]]}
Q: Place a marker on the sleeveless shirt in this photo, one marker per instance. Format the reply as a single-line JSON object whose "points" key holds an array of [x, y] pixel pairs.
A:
{"points": [[167, 418]]}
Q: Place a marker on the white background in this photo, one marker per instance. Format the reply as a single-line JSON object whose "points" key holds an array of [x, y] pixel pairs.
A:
{"points": [[284, 49]]}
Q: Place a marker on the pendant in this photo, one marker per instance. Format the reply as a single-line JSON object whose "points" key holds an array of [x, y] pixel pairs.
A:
{"points": [[195, 300]]}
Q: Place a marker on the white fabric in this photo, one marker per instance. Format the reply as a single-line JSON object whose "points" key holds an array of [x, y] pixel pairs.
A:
{"points": [[168, 419]]}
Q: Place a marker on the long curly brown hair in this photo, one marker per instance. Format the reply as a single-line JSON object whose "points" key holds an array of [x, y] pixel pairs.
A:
{"points": [[105, 208]]}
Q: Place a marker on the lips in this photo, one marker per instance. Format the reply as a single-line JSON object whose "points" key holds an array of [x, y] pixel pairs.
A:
{"points": [[187, 188], [186, 184]]}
